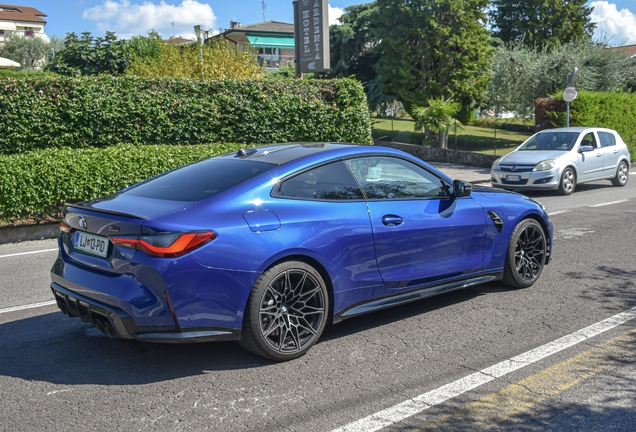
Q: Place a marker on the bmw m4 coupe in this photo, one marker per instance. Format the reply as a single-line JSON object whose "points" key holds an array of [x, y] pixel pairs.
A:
{"points": [[268, 245]]}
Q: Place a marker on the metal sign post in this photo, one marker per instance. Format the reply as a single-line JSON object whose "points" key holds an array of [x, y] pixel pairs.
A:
{"points": [[569, 94], [311, 36]]}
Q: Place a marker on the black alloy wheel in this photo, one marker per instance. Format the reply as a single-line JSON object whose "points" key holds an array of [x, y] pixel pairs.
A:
{"points": [[526, 254], [286, 312]]}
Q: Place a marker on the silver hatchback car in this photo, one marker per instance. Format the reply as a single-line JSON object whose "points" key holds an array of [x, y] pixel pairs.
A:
{"points": [[562, 158]]}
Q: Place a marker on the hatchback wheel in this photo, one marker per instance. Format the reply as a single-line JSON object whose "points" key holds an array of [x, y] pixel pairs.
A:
{"points": [[568, 182], [622, 174], [286, 312], [526, 255]]}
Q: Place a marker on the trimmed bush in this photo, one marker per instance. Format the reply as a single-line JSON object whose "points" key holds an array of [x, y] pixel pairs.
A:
{"points": [[35, 185], [610, 110], [39, 112]]}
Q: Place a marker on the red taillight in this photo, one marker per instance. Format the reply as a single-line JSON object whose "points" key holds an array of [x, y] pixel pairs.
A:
{"points": [[64, 227], [166, 245]]}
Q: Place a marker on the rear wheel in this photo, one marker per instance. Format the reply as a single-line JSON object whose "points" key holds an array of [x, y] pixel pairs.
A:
{"points": [[286, 312], [526, 255], [568, 182], [622, 175]]}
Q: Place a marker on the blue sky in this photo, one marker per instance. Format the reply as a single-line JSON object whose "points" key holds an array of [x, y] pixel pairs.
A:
{"points": [[615, 20]]}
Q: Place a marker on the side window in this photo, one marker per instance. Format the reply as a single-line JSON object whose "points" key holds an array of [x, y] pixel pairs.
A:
{"points": [[327, 182], [383, 177], [607, 139], [589, 140]]}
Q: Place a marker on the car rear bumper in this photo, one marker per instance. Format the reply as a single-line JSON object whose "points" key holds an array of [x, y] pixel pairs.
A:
{"points": [[114, 322]]}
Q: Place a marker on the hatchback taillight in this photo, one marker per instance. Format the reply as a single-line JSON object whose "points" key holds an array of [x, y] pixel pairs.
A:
{"points": [[165, 245]]}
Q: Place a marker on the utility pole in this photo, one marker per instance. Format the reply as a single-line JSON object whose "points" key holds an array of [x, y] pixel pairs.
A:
{"points": [[263, 3]]}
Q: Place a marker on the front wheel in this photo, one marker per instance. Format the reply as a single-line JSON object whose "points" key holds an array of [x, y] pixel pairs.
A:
{"points": [[526, 254], [568, 182], [286, 312], [622, 175]]}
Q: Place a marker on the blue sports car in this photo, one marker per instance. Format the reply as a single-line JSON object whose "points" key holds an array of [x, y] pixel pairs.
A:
{"points": [[267, 245]]}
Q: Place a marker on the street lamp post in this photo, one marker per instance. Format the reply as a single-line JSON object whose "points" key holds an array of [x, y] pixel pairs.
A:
{"points": [[199, 31]]}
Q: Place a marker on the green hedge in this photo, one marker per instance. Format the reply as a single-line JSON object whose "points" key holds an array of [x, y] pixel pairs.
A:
{"points": [[36, 184], [39, 112], [610, 110]]}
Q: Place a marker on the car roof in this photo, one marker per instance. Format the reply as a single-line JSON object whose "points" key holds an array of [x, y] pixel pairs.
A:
{"points": [[577, 129], [279, 154]]}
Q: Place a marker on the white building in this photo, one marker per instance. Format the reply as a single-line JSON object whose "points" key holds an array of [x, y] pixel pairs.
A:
{"points": [[22, 19]]}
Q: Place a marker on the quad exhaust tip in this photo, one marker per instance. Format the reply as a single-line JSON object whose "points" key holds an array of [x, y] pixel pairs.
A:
{"points": [[105, 328], [109, 330], [98, 325]]}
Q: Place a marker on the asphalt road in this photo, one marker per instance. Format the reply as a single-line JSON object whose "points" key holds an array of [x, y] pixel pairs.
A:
{"points": [[440, 363]]}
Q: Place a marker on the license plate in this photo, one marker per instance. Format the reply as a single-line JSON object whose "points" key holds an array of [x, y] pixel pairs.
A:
{"points": [[91, 244], [513, 178]]}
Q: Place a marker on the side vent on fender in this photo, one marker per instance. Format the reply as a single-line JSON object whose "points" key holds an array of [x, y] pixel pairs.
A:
{"points": [[499, 223]]}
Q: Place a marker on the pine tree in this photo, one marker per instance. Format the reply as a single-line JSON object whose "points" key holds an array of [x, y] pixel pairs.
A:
{"points": [[541, 23], [433, 48]]}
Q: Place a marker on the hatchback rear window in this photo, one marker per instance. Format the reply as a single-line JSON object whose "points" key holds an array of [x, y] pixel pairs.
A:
{"points": [[200, 180]]}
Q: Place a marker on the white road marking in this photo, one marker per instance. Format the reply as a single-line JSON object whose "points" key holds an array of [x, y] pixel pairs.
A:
{"points": [[28, 253], [420, 403], [58, 391], [559, 212], [29, 306], [608, 203]]}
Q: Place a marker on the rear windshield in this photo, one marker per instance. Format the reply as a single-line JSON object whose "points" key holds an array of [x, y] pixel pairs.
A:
{"points": [[563, 141], [200, 180]]}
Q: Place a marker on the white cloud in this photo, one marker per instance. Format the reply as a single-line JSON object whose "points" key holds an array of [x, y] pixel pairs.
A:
{"points": [[126, 19], [617, 26], [334, 14]]}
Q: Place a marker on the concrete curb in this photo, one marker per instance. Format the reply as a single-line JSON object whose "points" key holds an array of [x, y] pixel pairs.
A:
{"points": [[29, 232]]}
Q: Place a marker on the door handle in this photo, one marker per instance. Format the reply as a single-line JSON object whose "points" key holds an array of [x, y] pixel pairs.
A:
{"points": [[392, 220]]}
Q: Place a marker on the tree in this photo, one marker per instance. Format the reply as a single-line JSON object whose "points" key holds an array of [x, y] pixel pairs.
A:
{"points": [[436, 119], [146, 47], [541, 23], [220, 60], [353, 52], [433, 48], [87, 55], [521, 74], [29, 51], [56, 44]]}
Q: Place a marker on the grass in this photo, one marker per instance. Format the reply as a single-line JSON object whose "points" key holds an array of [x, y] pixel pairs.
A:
{"points": [[473, 138]]}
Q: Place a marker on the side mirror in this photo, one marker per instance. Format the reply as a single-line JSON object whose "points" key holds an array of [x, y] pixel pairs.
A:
{"points": [[461, 188], [586, 148]]}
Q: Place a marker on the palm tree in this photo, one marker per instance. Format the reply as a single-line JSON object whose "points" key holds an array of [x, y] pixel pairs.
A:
{"points": [[436, 119]]}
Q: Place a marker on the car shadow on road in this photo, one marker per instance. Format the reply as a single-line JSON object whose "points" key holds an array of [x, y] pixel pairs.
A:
{"points": [[579, 189], [380, 318], [53, 348]]}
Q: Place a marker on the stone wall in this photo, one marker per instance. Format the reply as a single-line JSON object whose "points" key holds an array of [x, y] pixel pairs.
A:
{"points": [[435, 154]]}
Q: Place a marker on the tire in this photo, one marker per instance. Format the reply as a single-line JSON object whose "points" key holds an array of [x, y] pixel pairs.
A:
{"points": [[286, 312], [526, 255], [568, 182], [622, 175]]}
